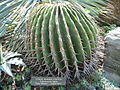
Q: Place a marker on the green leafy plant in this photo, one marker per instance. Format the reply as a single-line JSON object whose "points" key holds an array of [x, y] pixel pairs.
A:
{"points": [[108, 28], [27, 87]]}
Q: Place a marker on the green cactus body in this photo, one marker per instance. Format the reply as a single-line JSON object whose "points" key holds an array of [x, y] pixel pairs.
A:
{"points": [[63, 37]]}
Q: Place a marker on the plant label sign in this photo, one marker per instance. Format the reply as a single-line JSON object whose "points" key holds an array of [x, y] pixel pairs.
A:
{"points": [[48, 81]]}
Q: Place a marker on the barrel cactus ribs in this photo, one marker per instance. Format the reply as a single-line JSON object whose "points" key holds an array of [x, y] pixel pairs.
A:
{"points": [[64, 38]]}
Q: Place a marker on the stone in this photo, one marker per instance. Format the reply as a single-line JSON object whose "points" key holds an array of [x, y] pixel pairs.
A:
{"points": [[112, 58]]}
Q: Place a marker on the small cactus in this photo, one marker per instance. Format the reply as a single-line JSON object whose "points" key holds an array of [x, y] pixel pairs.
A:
{"points": [[63, 37]]}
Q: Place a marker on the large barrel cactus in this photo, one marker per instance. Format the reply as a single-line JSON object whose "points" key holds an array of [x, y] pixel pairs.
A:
{"points": [[64, 38]]}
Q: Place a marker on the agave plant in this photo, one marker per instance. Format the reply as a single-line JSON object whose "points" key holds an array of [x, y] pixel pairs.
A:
{"points": [[9, 58]]}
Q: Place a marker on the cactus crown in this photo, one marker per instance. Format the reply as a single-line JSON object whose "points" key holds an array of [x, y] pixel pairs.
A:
{"points": [[63, 37]]}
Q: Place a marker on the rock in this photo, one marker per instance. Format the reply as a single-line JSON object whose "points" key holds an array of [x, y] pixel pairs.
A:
{"points": [[112, 59]]}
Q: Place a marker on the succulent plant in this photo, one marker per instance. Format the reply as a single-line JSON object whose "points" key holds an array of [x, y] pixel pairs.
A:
{"points": [[64, 38]]}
